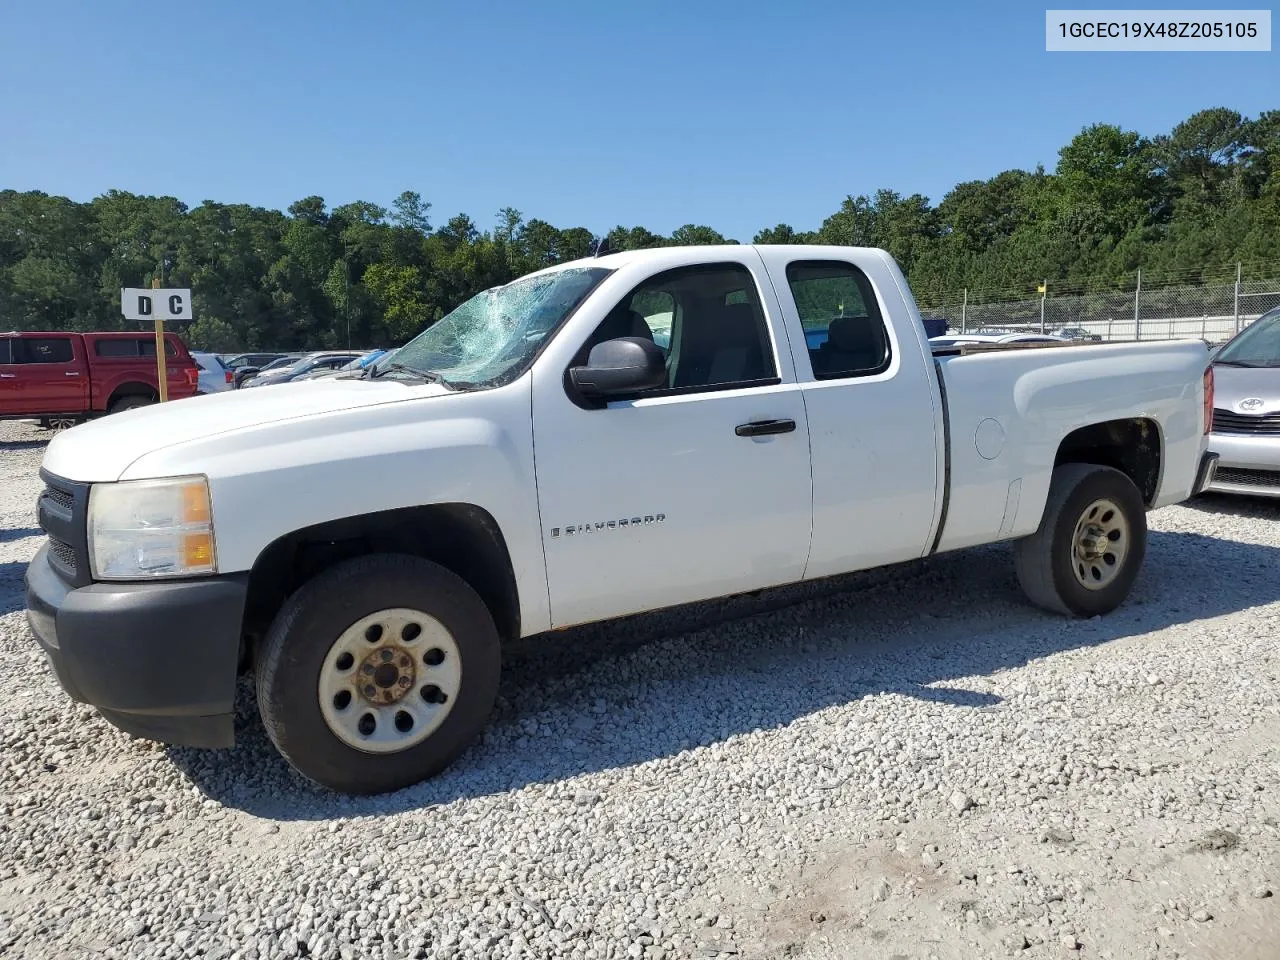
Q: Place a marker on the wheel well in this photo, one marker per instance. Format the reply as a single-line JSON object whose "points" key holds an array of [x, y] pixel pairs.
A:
{"points": [[1131, 446], [132, 389], [459, 536]]}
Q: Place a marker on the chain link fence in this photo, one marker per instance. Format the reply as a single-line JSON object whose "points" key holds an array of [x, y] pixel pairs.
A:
{"points": [[1211, 311]]}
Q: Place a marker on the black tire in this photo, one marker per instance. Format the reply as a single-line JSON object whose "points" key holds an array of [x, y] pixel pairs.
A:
{"points": [[1047, 563], [289, 660], [130, 402]]}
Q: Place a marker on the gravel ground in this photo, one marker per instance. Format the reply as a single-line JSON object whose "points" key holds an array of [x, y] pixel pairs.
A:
{"points": [[909, 763]]}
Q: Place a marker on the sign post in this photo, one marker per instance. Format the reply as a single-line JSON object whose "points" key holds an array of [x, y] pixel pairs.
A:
{"points": [[162, 372], [158, 306]]}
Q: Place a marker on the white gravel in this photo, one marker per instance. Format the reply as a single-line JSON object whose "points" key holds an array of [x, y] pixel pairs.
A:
{"points": [[910, 763]]}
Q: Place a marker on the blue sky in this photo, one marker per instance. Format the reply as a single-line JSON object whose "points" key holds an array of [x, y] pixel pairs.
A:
{"points": [[734, 114]]}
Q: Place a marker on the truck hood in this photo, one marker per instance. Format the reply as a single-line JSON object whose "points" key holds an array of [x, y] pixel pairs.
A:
{"points": [[103, 449]]}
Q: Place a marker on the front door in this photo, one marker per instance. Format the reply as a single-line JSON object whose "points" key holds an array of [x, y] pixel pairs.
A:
{"points": [[677, 494], [45, 377]]}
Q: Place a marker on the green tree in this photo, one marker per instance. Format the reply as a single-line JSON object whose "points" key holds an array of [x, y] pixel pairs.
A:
{"points": [[410, 211], [1192, 200], [692, 234], [399, 291]]}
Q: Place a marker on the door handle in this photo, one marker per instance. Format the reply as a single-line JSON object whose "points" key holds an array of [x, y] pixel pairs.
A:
{"points": [[764, 428], [71, 373], [8, 376]]}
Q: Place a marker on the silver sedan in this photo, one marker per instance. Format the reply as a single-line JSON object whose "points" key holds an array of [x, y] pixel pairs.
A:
{"points": [[1246, 414]]}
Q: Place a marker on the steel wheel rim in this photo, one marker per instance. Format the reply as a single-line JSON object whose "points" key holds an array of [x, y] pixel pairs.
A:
{"points": [[363, 694], [1100, 544]]}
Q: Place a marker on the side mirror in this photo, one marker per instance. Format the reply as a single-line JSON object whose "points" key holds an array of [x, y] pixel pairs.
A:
{"points": [[620, 366]]}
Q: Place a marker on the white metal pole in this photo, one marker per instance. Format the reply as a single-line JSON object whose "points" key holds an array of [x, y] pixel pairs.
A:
{"points": [[1237, 301], [1137, 317]]}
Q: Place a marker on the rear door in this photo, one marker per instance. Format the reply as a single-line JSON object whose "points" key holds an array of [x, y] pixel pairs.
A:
{"points": [[877, 460], [47, 375]]}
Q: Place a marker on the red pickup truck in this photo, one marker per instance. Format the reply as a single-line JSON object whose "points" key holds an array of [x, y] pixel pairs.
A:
{"points": [[64, 378]]}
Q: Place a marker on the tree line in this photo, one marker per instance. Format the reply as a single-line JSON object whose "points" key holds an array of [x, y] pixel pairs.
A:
{"points": [[1190, 202]]}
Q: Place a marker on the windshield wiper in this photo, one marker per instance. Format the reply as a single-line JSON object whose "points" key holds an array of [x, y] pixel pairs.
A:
{"points": [[426, 376], [1239, 363]]}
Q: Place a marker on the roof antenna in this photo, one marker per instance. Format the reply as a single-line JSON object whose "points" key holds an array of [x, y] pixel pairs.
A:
{"points": [[604, 247]]}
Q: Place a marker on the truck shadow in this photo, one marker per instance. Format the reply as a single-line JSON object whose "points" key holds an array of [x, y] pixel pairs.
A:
{"points": [[648, 688], [1253, 508], [10, 534], [12, 591]]}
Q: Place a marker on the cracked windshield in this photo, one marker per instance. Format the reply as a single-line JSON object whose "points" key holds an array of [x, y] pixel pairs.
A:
{"points": [[492, 337]]}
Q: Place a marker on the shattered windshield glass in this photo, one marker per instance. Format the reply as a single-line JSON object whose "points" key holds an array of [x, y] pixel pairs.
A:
{"points": [[493, 337]]}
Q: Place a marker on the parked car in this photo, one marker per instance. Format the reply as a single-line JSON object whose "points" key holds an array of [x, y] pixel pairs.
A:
{"points": [[965, 339], [356, 365], [1077, 333], [1246, 415], [243, 374], [368, 544], [237, 360], [310, 363], [65, 378], [214, 375]]}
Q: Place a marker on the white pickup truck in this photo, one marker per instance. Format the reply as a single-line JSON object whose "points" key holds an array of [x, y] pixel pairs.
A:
{"points": [[613, 435]]}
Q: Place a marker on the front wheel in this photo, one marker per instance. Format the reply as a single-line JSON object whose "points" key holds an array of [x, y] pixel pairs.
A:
{"points": [[377, 673], [1085, 557]]}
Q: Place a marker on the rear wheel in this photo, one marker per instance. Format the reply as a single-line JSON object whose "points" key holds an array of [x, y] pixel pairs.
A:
{"points": [[1086, 555], [130, 402], [378, 673]]}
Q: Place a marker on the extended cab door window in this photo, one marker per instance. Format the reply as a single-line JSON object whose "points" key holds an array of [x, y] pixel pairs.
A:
{"points": [[131, 347], [693, 489], [843, 330]]}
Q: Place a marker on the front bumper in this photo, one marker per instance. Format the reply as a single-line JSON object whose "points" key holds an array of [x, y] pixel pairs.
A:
{"points": [[1246, 464], [158, 660]]}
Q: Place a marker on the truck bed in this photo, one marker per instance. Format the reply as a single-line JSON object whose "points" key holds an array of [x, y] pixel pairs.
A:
{"points": [[1008, 406], [964, 349]]}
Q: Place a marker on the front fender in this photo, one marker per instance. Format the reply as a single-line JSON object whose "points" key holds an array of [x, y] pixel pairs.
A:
{"points": [[271, 480]]}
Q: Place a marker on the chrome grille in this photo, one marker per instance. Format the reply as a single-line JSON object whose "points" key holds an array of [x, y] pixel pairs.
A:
{"points": [[1224, 421]]}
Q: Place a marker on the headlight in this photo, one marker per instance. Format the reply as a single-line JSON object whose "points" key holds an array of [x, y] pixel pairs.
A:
{"points": [[143, 529]]}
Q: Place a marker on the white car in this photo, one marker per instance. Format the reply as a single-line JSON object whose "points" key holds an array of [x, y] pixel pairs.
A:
{"points": [[215, 376], [535, 460]]}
